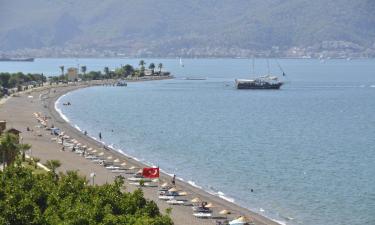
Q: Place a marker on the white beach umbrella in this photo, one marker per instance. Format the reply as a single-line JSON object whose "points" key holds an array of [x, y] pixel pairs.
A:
{"points": [[109, 157], [224, 212], [172, 190], [84, 146], [101, 154], [132, 168], [183, 193], [123, 164], [89, 149], [116, 160], [164, 185], [94, 151], [79, 144], [196, 200], [240, 221], [209, 205]]}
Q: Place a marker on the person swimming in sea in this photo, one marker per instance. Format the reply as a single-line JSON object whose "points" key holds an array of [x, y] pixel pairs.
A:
{"points": [[100, 135]]}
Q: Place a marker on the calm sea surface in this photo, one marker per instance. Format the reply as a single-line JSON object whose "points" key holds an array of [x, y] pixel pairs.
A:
{"points": [[307, 150]]}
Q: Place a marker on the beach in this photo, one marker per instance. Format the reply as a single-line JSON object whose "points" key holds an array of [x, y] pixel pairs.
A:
{"points": [[18, 112]]}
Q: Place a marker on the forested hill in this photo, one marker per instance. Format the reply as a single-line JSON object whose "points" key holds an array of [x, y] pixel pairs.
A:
{"points": [[189, 27]]}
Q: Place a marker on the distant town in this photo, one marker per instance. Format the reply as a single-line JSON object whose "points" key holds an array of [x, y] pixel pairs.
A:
{"points": [[326, 49]]}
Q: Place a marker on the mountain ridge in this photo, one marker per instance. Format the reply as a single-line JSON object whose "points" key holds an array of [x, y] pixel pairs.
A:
{"points": [[189, 28]]}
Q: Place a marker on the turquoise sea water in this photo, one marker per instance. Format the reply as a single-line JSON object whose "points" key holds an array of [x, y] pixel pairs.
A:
{"points": [[307, 150]]}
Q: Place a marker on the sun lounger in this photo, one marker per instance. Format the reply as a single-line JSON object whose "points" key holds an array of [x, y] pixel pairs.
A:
{"points": [[202, 215]]}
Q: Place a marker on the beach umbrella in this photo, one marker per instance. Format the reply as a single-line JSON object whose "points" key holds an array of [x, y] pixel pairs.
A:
{"points": [[123, 164], [116, 160], [30, 96], [79, 144], [132, 168], [172, 190], [89, 149], [109, 157], [209, 205], [183, 193], [196, 200], [224, 212], [240, 221], [164, 185], [101, 154], [75, 142], [140, 171], [94, 151], [84, 146]]}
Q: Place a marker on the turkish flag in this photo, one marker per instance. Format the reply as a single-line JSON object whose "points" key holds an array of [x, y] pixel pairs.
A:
{"points": [[150, 172]]}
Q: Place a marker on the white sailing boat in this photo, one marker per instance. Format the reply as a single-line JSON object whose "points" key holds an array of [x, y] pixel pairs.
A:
{"points": [[181, 64]]}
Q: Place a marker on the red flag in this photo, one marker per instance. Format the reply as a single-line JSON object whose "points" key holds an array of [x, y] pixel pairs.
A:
{"points": [[150, 172]]}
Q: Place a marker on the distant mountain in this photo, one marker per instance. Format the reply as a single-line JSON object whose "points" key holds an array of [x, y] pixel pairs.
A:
{"points": [[189, 27]]}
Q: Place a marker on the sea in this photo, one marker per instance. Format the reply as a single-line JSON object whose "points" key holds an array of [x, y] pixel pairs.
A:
{"points": [[307, 151]]}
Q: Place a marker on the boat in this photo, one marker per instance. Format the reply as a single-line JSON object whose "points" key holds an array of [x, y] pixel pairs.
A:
{"points": [[263, 82], [121, 83], [16, 59], [181, 64]]}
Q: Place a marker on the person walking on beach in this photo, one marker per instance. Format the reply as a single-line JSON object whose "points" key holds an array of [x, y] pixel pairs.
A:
{"points": [[100, 135], [174, 180]]}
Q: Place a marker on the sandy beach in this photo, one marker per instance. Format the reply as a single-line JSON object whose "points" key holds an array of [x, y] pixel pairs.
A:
{"points": [[18, 112]]}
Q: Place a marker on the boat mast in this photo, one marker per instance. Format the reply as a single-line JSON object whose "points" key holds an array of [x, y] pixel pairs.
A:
{"points": [[253, 65]]}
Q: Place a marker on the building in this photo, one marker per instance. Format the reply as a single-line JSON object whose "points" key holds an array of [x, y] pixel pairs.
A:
{"points": [[72, 74]]}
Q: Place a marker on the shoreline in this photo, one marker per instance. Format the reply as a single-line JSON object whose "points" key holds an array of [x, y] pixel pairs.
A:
{"points": [[179, 213]]}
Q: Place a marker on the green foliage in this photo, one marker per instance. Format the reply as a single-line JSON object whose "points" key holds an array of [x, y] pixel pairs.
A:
{"points": [[12, 80], [9, 148], [27, 198]]}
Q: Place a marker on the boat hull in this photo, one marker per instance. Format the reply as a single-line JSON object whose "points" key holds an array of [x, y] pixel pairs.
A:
{"points": [[264, 86]]}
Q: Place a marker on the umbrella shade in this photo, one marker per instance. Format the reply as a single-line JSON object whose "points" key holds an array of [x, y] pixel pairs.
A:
{"points": [[75, 142], [196, 200], [116, 161], [164, 185], [84, 146], [240, 220], [89, 149], [109, 157], [183, 193], [209, 205], [101, 154], [172, 190], [132, 168], [79, 144], [140, 171], [224, 212], [123, 164], [94, 151]]}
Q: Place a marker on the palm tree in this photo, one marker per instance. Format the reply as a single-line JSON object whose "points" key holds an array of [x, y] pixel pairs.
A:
{"points": [[9, 148], [62, 70], [106, 71], [83, 69], [152, 67], [160, 66], [142, 63], [23, 148], [53, 165]]}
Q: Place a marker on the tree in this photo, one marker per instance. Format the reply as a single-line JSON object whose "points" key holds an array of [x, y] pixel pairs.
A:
{"points": [[128, 69], [83, 69], [152, 67], [23, 148], [160, 66], [62, 70], [53, 165], [30, 198], [106, 72], [9, 148]]}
